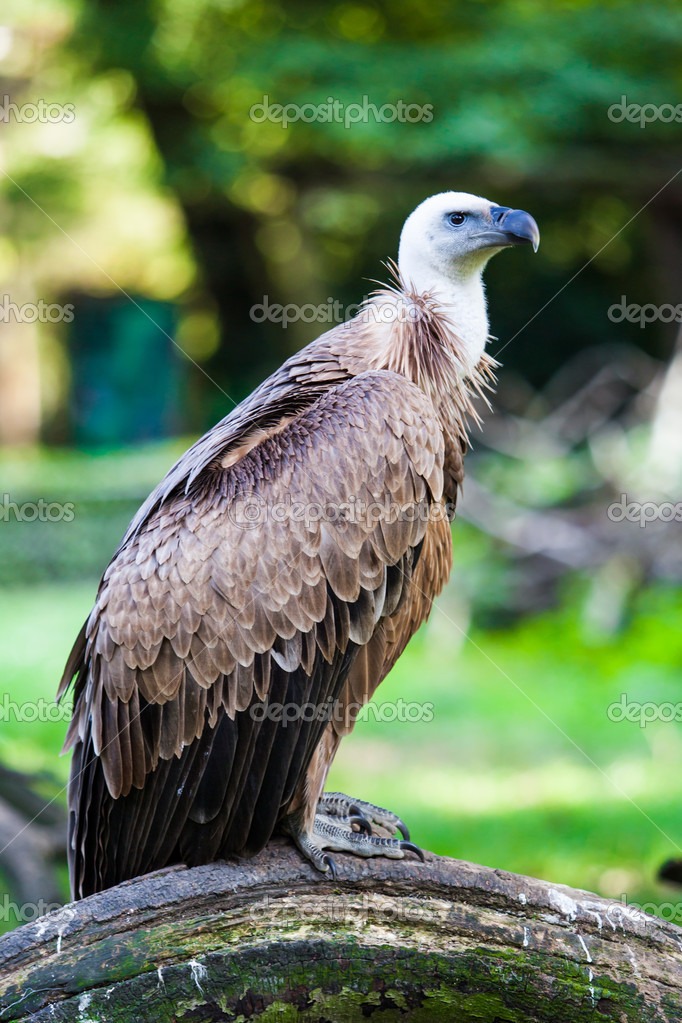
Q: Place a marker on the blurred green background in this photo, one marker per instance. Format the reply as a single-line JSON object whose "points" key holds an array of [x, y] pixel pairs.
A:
{"points": [[161, 214]]}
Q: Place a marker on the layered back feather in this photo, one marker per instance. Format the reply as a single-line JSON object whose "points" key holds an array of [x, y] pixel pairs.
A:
{"points": [[203, 623]]}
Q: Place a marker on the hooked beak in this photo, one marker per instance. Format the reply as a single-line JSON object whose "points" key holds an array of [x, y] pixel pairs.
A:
{"points": [[510, 227]]}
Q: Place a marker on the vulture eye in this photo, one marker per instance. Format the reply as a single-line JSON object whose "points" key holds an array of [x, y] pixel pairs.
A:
{"points": [[457, 219]]}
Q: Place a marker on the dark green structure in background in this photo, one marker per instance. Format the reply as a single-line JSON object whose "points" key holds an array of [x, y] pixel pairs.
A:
{"points": [[126, 372]]}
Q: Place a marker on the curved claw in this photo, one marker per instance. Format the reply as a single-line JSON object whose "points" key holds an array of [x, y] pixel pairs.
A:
{"points": [[413, 848], [362, 822], [331, 867], [355, 811], [403, 829]]}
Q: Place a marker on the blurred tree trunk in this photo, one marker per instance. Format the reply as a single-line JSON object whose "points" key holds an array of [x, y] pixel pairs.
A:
{"points": [[20, 401], [663, 471], [32, 846]]}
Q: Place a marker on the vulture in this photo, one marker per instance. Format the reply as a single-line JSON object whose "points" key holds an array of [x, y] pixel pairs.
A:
{"points": [[271, 580]]}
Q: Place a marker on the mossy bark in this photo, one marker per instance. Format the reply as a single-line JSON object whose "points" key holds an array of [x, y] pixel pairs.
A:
{"points": [[272, 939]]}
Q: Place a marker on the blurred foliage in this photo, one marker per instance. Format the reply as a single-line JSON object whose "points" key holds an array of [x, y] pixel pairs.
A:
{"points": [[520, 95], [163, 192], [99, 495], [166, 186]]}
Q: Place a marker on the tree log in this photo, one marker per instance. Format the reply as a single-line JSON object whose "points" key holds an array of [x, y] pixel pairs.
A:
{"points": [[271, 938]]}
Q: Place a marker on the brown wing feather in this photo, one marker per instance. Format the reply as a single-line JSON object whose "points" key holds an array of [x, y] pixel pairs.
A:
{"points": [[374, 661], [198, 620], [430, 575]]}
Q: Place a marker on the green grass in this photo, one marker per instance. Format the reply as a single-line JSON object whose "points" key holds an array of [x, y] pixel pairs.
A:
{"points": [[39, 625], [515, 763], [521, 767]]}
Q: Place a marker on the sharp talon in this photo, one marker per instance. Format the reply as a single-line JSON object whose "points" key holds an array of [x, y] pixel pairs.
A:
{"points": [[362, 822], [347, 825], [331, 867], [413, 848], [404, 830]]}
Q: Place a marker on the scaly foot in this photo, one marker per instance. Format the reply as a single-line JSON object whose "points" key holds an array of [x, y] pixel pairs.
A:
{"points": [[333, 830], [336, 804]]}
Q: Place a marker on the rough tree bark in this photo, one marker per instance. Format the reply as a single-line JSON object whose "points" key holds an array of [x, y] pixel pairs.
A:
{"points": [[270, 938]]}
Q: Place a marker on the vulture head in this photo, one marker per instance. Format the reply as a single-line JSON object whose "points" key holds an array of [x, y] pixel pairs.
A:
{"points": [[444, 247]]}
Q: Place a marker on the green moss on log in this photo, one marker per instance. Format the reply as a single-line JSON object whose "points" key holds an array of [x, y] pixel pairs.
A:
{"points": [[272, 940]]}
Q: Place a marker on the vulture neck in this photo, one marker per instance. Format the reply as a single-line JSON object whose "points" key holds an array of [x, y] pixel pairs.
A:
{"points": [[461, 298], [418, 334]]}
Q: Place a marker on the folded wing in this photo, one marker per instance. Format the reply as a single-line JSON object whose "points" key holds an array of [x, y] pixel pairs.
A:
{"points": [[227, 625]]}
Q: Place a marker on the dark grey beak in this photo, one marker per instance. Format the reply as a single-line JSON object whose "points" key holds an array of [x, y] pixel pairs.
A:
{"points": [[510, 227]]}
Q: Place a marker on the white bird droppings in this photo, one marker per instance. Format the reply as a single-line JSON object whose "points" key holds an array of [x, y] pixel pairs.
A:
{"points": [[567, 906], [631, 957], [83, 1006], [199, 973], [587, 951]]}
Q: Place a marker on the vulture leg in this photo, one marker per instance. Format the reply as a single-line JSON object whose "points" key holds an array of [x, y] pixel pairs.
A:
{"points": [[336, 804], [336, 833], [309, 844], [328, 833]]}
